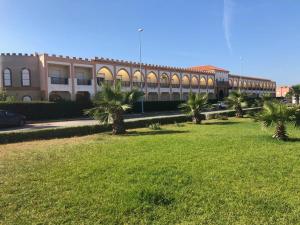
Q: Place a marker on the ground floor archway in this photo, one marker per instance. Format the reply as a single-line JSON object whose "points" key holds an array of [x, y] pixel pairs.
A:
{"points": [[165, 96], [152, 96], [83, 96], [57, 96]]}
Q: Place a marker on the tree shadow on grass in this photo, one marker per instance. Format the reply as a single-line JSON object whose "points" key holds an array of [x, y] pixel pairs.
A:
{"points": [[224, 122], [154, 132], [293, 140]]}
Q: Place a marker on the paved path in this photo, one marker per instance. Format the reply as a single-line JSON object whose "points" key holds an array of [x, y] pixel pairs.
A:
{"points": [[85, 122]]}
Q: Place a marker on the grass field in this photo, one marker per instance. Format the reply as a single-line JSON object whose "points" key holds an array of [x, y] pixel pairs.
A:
{"points": [[221, 172]]}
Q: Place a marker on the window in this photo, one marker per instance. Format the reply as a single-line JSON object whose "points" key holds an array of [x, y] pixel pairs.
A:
{"points": [[7, 78], [25, 77], [27, 98]]}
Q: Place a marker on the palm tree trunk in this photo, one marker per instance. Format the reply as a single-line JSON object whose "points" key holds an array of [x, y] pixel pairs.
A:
{"points": [[197, 119], [238, 112], [118, 126], [280, 131]]}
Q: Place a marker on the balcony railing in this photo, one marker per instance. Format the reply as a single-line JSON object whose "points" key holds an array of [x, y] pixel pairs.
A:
{"points": [[152, 85], [202, 86], [59, 80], [175, 85], [187, 86], [101, 81], [84, 82], [138, 84], [125, 83], [164, 85], [195, 86], [210, 87]]}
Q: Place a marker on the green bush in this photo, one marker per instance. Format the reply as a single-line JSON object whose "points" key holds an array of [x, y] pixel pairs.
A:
{"points": [[46, 110], [154, 126]]}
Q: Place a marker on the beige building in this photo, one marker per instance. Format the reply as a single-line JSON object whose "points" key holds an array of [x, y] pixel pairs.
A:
{"points": [[51, 77]]}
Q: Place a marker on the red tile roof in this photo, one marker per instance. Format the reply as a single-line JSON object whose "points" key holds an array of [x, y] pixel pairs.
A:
{"points": [[207, 68]]}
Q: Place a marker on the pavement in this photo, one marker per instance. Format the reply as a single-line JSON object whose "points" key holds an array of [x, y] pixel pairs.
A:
{"points": [[38, 125]]}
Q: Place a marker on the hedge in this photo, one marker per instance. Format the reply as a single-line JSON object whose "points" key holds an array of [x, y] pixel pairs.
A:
{"points": [[44, 134], [156, 106], [57, 110], [46, 110]]}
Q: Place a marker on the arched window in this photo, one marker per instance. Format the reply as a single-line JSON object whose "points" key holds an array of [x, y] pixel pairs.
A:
{"points": [[7, 78], [27, 98], [25, 77]]}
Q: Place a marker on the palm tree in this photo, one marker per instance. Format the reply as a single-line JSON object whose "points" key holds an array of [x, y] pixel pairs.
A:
{"points": [[195, 105], [295, 91], [237, 100], [110, 105], [275, 112]]}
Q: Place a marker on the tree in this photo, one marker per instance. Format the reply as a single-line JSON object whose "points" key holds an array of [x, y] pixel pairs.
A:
{"points": [[237, 100], [3, 95], [110, 105], [295, 91], [195, 105], [275, 112]]}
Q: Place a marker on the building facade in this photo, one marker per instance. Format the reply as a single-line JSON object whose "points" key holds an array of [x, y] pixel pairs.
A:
{"points": [[51, 77], [281, 91]]}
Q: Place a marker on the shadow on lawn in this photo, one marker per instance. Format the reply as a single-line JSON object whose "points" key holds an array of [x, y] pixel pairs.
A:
{"points": [[156, 132], [225, 122], [293, 140]]}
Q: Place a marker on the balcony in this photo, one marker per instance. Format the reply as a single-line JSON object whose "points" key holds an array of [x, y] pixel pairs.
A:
{"points": [[125, 83], [59, 80], [175, 85], [152, 85], [59, 84], [186, 86], [81, 81], [164, 85], [138, 84]]}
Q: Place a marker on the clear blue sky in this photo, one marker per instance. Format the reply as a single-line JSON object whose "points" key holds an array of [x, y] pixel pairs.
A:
{"points": [[265, 33]]}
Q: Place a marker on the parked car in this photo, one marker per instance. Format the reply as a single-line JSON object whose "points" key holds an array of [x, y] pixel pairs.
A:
{"points": [[8, 119]]}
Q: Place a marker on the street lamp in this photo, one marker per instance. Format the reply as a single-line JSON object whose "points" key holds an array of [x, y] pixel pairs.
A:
{"points": [[140, 30]]}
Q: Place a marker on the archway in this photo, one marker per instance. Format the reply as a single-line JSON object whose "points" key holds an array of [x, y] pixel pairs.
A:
{"points": [[165, 96], [123, 77], [185, 82], [210, 83], [194, 82], [176, 96], [175, 81], [164, 81], [137, 79], [57, 96], [105, 75], [152, 80], [83, 96], [203, 83], [152, 96]]}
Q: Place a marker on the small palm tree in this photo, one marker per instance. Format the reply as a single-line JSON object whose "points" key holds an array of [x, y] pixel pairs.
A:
{"points": [[111, 104], [237, 100], [275, 112], [195, 105], [295, 91]]}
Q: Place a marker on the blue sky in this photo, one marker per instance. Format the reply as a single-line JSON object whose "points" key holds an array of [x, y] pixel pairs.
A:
{"points": [[264, 33]]}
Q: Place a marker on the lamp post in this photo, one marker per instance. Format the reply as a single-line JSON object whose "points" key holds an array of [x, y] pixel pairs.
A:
{"points": [[140, 30]]}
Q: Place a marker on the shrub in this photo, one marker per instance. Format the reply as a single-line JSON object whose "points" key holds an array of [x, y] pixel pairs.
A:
{"points": [[154, 126]]}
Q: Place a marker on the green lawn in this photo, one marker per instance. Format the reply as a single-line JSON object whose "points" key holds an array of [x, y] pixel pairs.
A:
{"points": [[221, 172]]}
